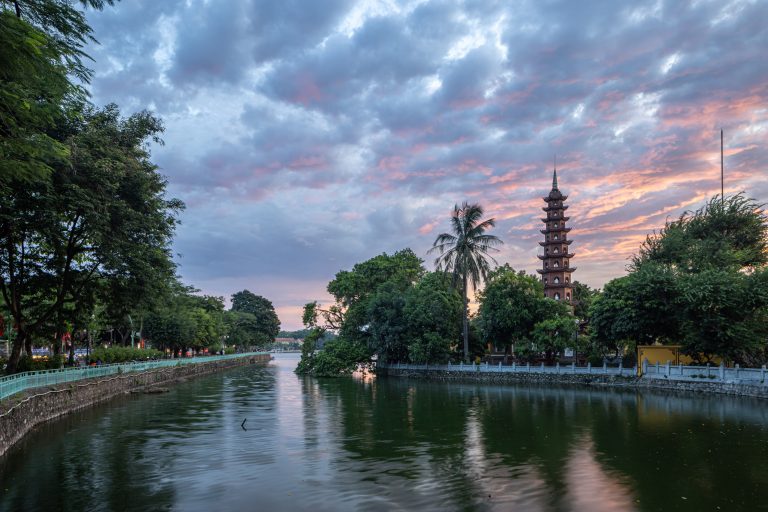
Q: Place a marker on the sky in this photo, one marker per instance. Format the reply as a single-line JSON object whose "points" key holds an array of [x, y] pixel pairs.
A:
{"points": [[307, 136]]}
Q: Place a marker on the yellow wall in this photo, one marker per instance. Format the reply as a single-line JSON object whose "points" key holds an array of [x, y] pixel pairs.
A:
{"points": [[663, 353]]}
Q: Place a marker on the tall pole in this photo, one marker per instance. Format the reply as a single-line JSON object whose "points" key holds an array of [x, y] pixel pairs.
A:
{"points": [[722, 172]]}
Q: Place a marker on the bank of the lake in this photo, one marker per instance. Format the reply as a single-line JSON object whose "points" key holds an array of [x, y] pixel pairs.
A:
{"points": [[392, 444], [21, 413], [596, 379]]}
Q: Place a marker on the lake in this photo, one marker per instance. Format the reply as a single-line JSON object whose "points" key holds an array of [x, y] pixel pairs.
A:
{"points": [[392, 444]]}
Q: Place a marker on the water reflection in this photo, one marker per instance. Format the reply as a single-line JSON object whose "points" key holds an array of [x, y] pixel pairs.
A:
{"points": [[392, 444]]}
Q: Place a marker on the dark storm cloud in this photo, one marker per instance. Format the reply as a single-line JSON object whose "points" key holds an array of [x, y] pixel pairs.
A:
{"points": [[307, 136]]}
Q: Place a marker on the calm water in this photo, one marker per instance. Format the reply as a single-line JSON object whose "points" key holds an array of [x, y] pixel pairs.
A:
{"points": [[392, 445]]}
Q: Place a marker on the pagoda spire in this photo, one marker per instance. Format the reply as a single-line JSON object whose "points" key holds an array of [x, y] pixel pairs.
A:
{"points": [[554, 174]]}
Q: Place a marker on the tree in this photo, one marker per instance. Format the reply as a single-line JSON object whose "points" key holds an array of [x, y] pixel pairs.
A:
{"points": [[35, 93], [700, 281], [613, 316], [433, 309], [730, 233], [254, 320], [583, 297], [41, 59], [554, 335], [418, 325], [387, 326], [186, 321], [725, 313], [464, 253], [366, 314], [171, 328], [511, 305], [102, 217]]}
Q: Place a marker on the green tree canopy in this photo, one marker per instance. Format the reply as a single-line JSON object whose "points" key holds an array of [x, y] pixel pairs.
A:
{"points": [[583, 297], [102, 217], [252, 320], [41, 68], [698, 282], [511, 305], [554, 335], [386, 306]]}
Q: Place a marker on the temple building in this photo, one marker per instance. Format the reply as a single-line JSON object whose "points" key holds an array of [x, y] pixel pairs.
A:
{"points": [[556, 272]]}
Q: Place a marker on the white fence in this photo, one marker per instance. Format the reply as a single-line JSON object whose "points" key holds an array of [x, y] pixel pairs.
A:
{"points": [[517, 368], [720, 374], [735, 375]]}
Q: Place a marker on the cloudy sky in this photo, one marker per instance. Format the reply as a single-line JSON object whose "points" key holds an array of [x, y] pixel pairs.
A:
{"points": [[305, 136]]}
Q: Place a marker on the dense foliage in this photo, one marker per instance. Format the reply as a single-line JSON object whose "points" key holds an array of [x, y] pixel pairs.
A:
{"points": [[515, 314], [389, 307], [700, 281], [123, 354], [252, 321]]}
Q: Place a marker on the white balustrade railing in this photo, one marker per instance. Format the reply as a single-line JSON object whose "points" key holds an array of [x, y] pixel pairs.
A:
{"points": [[516, 368], [735, 375], [708, 373]]}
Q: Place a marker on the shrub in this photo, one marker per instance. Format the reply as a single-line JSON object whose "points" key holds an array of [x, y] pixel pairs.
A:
{"points": [[122, 354], [595, 359], [28, 364]]}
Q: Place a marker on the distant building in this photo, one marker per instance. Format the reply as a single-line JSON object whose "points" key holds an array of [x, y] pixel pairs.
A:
{"points": [[556, 271]]}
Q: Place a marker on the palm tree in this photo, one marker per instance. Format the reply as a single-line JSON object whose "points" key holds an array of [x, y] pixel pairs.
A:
{"points": [[465, 253]]}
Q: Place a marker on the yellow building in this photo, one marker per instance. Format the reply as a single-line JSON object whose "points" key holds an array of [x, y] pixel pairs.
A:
{"points": [[662, 354]]}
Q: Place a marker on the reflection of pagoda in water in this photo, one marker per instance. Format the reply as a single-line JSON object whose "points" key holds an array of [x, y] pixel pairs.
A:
{"points": [[556, 273]]}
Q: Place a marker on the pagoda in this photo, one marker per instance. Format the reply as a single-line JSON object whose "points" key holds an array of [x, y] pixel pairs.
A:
{"points": [[556, 272]]}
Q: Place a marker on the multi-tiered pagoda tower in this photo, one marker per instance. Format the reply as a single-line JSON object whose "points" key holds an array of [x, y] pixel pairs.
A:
{"points": [[557, 270]]}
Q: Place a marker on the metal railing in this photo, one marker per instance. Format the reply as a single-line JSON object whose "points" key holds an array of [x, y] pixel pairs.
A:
{"points": [[19, 382], [517, 368], [721, 374]]}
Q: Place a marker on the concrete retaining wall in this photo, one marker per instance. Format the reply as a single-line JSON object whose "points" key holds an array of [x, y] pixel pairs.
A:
{"points": [[611, 381], [21, 413]]}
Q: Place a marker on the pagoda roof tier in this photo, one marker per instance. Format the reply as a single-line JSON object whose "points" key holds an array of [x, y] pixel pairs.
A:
{"points": [[550, 256], [566, 270], [555, 230], [555, 195], [552, 208], [556, 242], [557, 285], [564, 219]]}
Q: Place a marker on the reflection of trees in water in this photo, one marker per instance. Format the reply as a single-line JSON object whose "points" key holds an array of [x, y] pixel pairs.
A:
{"points": [[569, 445], [710, 450], [124, 455], [86, 461], [410, 441], [535, 429]]}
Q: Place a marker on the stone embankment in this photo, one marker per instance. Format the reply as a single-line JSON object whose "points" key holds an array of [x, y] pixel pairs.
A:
{"points": [[596, 380], [22, 412]]}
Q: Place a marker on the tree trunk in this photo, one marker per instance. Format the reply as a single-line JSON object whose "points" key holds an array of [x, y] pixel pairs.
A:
{"points": [[13, 360], [72, 345], [58, 334], [466, 321], [22, 346]]}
